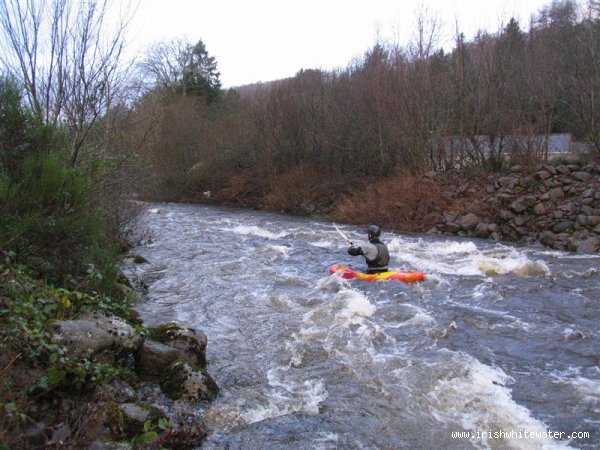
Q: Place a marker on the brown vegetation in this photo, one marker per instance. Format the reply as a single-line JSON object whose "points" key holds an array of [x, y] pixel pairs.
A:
{"points": [[355, 141], [403, 202]]}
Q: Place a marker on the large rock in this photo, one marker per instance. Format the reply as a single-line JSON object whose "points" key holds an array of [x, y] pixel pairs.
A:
{"points": [[95, 336], [182, 381], [191, 343], [523, 203], [153, 358], [127, 420], [563, 226], [590, 245], [581, 176], [548, 238], [468, 222]]}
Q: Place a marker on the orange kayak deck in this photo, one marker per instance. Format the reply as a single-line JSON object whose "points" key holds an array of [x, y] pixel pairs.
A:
{"points": [[407, 276]]}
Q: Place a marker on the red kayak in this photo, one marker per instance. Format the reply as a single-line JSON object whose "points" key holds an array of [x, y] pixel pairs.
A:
{"points": [[407, 276]]}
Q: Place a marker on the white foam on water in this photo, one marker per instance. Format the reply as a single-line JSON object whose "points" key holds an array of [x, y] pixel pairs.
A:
{"points": [[475, 398], [589, 389], [305, 400], [420, 319], [278, 251], [519, 265], [323, 244], [465, 258], [253, 230], [281, 301], [586, 388], [355, 306], [284, 396]]}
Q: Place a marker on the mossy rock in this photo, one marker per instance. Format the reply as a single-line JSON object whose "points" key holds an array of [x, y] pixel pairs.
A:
{"points": [[138, 259], [127, 420], [190, 342], [187, 382]]}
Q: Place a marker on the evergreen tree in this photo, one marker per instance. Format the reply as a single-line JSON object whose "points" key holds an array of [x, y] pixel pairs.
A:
{"points": [[200, 74]]}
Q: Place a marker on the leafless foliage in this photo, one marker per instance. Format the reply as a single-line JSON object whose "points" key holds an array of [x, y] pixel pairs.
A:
{"points": [[67, 54]]}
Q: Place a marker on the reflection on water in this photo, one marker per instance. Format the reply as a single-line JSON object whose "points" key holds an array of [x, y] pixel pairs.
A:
{"points": [[498, 338]]}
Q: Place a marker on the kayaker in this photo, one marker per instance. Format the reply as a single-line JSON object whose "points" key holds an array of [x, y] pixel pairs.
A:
{"points": [[375, 252]]}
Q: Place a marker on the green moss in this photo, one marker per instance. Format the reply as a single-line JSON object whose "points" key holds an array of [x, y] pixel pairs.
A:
{"points": [[123, 425]]}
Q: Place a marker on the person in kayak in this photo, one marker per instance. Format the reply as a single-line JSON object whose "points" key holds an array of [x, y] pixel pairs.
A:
{"points": [[375, 252]]}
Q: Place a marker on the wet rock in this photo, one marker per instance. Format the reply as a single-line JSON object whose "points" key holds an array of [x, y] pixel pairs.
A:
{"points": [[153, 358], [548, 238], [191, 343], [127, 420], [452, 227], [482, 230], [129, 293], [185, 382], [590, 245]]}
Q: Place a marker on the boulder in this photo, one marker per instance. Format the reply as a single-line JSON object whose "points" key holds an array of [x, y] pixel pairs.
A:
{"points": [[468, 222], [190, 342], [539, 209], [153, 358], [482, 229], [95, 336], [183, 381], [129, 293], [556, 193], [127, 420], [452, 227], [590, 245], [548, 238], [521, 204], [581, 176], [592, 221], [542, 175], [563, 226]]}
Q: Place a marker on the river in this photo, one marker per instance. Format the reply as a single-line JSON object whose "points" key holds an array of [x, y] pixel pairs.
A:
{"points": [[497, 348]]}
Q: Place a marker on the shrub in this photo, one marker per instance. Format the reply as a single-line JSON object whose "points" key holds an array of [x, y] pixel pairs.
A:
{"points": [[48, 217], [403, 202]]}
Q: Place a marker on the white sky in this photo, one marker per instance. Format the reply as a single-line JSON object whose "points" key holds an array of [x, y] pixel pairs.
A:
{"points": [[264, 40]]}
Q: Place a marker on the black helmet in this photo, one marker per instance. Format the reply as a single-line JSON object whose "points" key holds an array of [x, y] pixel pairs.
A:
{"points": [[374, 231]]}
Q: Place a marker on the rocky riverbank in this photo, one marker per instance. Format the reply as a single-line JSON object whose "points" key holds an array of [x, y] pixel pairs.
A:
{"points": [[157, 403], [556, 205], [80, 370]]}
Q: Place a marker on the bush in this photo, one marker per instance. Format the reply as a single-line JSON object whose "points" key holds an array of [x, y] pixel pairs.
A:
{"points": [[48, 217], [402, 202]]}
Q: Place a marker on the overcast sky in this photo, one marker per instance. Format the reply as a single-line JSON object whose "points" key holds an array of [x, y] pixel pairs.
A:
{"points": [[264, 40]]}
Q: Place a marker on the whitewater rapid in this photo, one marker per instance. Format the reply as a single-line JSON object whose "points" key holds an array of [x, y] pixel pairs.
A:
{"points": [[497, 340]]}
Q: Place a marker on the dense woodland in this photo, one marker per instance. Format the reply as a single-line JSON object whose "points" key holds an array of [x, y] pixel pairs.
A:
{"points": [[84, 132], [400, 109]]}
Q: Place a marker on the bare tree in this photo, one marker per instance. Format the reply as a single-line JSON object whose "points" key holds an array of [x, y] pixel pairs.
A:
{"points": [[164, 64], [67, 54]]}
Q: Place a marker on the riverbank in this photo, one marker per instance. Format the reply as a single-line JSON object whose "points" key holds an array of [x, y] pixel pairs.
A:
{"points": [[80, 370], [555, 204]]}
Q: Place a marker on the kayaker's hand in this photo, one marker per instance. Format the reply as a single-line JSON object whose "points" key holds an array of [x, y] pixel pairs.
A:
{"points": [[354, 251]]}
